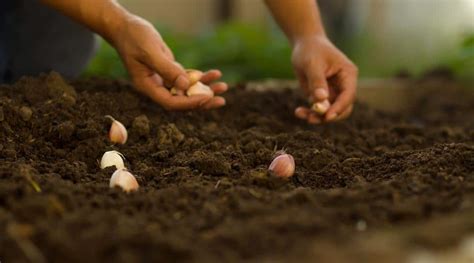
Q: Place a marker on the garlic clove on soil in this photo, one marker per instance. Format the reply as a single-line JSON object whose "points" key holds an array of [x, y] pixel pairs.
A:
{"points": [[200, 89], [117, 133], [283, 166], [112, 158], [321, 107], [124, 179]]}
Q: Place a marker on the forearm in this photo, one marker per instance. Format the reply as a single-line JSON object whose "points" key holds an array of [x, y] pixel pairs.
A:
{"points": [[297, 18], [104, 17]]}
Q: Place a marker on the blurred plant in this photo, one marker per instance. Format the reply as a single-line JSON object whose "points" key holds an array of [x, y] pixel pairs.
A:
{"points": [[242, 52], [106, 63], [463, 63]]}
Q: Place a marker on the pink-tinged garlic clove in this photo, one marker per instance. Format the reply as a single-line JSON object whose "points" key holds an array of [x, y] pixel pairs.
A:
{"points": [[321, 107], [283, 166], [124, 179], [194, 75], [117, 133], [200, 89]]}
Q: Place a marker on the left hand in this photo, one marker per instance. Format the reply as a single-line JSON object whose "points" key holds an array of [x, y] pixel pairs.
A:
{"points": [[324, 72]]}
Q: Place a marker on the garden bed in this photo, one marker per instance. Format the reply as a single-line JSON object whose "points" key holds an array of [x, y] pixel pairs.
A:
{"points": [[378, 184]]}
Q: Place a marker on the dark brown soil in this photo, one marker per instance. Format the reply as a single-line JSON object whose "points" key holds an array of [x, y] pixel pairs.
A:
{"points": [[376, 185]]}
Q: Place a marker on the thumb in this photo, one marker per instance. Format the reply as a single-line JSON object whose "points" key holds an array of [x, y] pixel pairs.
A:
{"points": [[318, 85], [169, 71]]}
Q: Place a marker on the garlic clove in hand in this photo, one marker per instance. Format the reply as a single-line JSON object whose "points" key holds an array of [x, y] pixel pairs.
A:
{"points": [[321, 107], [124, 179], [174, 91], [194, 75], [283, 166], [112, 158], [117, 133], [200, 89]]}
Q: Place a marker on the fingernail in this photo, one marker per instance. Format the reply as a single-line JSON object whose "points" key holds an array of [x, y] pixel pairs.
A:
{"points": [[182, 82], [331, 116], [321, 94]]}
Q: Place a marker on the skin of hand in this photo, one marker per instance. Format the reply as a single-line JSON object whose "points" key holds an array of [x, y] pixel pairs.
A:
{"points": [[323, 71], [149, 61]]}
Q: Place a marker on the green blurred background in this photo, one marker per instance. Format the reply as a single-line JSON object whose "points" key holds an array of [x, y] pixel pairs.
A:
{"points": [[382, 39]]}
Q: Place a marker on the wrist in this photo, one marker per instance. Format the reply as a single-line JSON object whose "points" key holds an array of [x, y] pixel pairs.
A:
{"points": [[112, 21], [310, 36], [318, 37]]}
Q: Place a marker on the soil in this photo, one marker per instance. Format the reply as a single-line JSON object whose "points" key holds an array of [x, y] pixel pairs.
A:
{"points": [[378, 185]]}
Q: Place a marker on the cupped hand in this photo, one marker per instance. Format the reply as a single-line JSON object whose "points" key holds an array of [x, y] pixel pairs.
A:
{"points": [[324, 72], [153, 69]]}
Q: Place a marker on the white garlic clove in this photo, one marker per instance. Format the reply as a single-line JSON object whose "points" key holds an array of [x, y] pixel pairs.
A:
{"points": [[200, 89], [124, 179], [283, 166], [112, 158], [194, 75], [117, 133], [321, 107]]}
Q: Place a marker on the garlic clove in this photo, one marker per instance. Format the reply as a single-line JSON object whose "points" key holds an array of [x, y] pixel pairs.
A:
{"points": [[117, 133], [283, 166], [124, 179], [194, 75], [321, 107], [112, 158], [200, 89], [174, 91]]}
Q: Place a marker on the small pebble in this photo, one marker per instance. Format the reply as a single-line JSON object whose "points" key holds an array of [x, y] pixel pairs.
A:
{"points": [[25, 113], [361, 225]]}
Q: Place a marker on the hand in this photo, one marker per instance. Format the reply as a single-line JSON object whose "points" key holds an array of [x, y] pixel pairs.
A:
{"points": [[153, 69], [324, 72]]}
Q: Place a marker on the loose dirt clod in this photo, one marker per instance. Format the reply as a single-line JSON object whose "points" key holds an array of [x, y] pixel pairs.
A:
{"points": [[141, 126], [170, 135]]}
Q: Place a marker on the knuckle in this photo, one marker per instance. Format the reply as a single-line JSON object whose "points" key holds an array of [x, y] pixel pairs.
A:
{"points": [[352, 68]]}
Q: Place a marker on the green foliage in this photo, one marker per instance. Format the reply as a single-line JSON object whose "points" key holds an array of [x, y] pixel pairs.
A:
{"points": [[242, 52], [463, 63], [106, 63]]}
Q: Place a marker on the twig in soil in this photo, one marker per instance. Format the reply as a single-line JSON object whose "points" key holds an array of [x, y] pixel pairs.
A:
{"points": [[34, 185], [19, 233], [27, 174], [275, 148], [217, 184]]}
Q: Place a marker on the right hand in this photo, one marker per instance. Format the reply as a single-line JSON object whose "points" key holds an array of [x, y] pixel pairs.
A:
{"points": [[324, 73], [153, 69]]}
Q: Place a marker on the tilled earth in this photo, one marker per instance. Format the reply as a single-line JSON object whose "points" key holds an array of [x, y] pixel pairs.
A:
{"points": [[375, 186]]}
